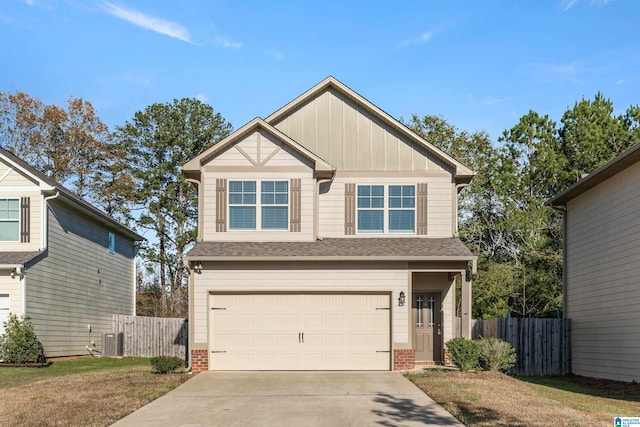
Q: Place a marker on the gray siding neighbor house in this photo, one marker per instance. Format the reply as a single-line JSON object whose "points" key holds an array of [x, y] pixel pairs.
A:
{"points": [[601, 261], [327, 240], [63, 262]]}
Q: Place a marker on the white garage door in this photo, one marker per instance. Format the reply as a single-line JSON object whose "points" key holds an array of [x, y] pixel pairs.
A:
{"points": [[299, 332]]}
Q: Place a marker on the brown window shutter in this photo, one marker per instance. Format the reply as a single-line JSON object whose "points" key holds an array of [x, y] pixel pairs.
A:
{"points": [[25, 219], [221, 205], [349, 209], [295, 205], [421, 209]]}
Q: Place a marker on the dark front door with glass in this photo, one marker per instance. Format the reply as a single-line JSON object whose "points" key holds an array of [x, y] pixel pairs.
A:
{"points": [[427, 327]]}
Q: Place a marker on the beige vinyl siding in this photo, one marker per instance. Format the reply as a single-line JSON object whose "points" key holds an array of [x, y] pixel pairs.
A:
{"points": [[13, 287], [351, 138], [603, 247], [316, 277], [78, 283], [307, 190], [35, 227], [439, 204], [10, 177]]}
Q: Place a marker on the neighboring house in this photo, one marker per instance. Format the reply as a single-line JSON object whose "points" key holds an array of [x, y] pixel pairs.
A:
{"points": [[327, 240], [63, 262], [601, 256]]}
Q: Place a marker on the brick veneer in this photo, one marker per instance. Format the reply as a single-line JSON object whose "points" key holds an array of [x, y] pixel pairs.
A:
{"points": [[404, 359], [199, 360]]}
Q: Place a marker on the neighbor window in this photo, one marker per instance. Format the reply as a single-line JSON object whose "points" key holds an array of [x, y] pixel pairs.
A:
{"points": [[112, 242], [9, 220], [386, 209], [258, 205]]}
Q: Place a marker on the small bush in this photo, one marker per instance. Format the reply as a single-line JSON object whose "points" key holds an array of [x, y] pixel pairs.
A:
{"points": [[496, 355], [166, 364], [464, 353], [19, 343]]}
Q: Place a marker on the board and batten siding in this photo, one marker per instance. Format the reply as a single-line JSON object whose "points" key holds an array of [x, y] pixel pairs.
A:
{"points": [[79, 282], [351, 138], [440, 219], [303, 277], [603, 293]]}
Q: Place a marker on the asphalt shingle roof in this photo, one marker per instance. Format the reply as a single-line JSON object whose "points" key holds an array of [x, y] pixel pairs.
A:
{"points": [[349, 248], [17, 257]]}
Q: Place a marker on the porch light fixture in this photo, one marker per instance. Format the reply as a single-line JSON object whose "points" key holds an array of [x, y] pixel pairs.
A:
{"points": [[197, 267], [401, 299]]}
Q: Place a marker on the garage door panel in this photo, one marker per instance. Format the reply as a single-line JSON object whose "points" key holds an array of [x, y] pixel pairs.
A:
{"points": [[300, 332]]}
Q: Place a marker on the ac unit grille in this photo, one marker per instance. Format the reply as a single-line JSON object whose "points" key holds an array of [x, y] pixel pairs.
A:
{"points": [[112, 344]]}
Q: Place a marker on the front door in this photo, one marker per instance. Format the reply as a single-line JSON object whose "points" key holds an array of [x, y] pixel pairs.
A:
{"points": [[427, 327]]}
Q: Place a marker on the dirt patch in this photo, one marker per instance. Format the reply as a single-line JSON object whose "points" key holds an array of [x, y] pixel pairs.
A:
{"points": [[610, 386]]}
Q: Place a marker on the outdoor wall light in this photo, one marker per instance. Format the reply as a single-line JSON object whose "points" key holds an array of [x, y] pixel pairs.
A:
{"points": [[197, 267], [401, 299]]}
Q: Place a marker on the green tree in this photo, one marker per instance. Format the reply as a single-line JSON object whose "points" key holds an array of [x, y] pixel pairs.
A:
{"points": [[69, 144], [157, 142], [591, 135]]}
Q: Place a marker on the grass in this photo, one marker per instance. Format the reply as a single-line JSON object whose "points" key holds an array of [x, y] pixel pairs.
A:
{"points": [[80, 392], [494, 399]]}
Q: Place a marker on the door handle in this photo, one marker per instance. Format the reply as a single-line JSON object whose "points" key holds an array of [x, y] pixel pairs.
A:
{"points": [[303, 337], [299, 336], [439, 333]]}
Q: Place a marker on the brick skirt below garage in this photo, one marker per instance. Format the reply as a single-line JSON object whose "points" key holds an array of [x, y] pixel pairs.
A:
{"points": [[404, 359], [199, 360]]}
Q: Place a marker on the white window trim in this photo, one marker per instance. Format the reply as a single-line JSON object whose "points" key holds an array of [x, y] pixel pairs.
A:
{"points": [[385, 210], [258, 205], [12, 220]]}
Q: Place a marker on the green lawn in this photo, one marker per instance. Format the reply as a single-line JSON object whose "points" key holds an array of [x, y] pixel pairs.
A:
{"points": [[15, 377]]}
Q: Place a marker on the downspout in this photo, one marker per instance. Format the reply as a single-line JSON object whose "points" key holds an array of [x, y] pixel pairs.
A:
{"points": [[44, 220], [316, 222], [458, 187]]}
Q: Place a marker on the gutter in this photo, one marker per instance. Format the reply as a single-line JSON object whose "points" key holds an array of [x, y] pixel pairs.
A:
{"points": [[470, 258], [316, 222]]}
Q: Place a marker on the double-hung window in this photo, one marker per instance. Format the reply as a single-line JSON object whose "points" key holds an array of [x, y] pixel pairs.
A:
{"points": [[242, 205], [275, 205], [386, 208], [371, 208], [402, 208], [9, 220], [260, 205]]}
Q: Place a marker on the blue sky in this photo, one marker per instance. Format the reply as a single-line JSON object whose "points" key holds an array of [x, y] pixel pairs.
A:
{"points": [[479, 64]]}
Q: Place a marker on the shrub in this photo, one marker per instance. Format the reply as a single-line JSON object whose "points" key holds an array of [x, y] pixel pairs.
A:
{"points": [[19, 343], [464, 353], [496, 355], [166, 364]]}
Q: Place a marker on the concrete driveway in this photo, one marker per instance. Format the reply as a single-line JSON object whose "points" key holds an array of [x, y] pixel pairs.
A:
{"points": [[293, 399]]}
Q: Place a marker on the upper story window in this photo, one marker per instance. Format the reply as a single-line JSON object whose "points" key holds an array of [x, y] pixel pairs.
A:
{"points": [[9, 220], [264, 206], [381, 211]]}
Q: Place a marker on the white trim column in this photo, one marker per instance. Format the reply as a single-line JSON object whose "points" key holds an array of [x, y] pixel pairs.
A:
{"points": [[465, 318]]}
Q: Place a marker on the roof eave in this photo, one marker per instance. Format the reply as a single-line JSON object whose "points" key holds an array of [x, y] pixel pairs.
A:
{"points": [[329, 258], [609, 169]]}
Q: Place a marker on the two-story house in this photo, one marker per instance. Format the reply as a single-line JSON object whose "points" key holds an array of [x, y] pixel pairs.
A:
{"points": [[63, 262], [327, 241]]}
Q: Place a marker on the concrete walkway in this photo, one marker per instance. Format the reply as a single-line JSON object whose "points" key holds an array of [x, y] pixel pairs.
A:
{"points": [[293, 399]]}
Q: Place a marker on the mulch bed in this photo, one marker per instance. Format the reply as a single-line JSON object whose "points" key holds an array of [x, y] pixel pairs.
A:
{"points": [[617, 387]]}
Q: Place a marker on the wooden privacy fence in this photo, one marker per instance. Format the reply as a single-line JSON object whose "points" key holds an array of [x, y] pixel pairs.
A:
{"points": [[152, 336], [543, 346]]}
